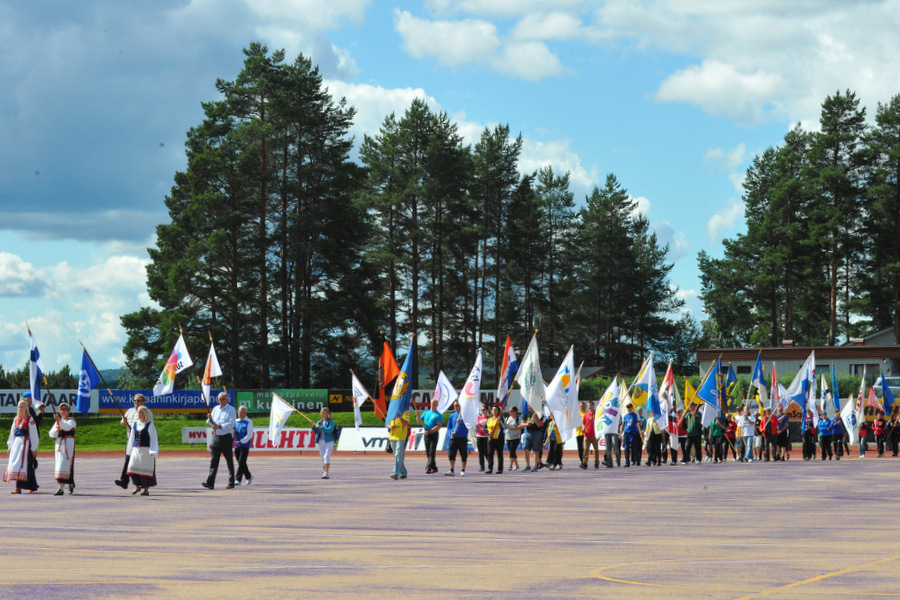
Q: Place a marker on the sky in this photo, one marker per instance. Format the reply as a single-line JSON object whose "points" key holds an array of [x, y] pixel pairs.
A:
{"points": [[673, 97]]}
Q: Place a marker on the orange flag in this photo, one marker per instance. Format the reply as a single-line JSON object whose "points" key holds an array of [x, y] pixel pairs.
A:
{"points": [[387, 372]]}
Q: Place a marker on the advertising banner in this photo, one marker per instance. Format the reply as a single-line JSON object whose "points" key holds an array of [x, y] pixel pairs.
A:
{"points": [[186, 401], [260, 401], [9, 399]]}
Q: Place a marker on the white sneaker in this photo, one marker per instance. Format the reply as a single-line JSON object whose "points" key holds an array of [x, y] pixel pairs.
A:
{"points": [[449, 473], [249, 481], [462, 473], [237, 483], [325, 476]]}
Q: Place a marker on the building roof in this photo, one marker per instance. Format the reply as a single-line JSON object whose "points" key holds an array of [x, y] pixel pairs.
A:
{"points": [[800, 353]]}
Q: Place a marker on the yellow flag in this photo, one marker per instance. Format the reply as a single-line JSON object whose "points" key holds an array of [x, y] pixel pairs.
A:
{"points": [[689, 394]]}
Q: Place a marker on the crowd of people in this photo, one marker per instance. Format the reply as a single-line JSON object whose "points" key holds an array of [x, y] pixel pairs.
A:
{"points": [[745, 436]]}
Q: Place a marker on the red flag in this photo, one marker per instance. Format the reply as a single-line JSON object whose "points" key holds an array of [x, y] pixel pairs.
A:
{"points": [[387, 372]]}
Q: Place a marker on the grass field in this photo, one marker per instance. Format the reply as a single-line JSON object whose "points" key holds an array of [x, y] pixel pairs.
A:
{"points": [[772, 530]]}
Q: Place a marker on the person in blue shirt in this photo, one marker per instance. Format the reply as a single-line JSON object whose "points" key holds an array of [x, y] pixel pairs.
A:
{"points": [[243, 436], [324, 430], [837, 437], [631, 436], [825, 436], [459, 440], [431, 421]]}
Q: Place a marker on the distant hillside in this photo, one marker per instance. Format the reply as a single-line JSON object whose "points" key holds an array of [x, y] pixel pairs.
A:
{"points": [[112, 376]]}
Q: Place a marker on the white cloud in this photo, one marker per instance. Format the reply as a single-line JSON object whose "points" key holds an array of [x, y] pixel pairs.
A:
{"points": [[764, 60], [678, 244], [498, 8], [692, 303], [731, 162], [724, 219], [19, 278], [552, 26], [306, 14], [642, 205], [477, 42], [557, 154], [374, 103]]}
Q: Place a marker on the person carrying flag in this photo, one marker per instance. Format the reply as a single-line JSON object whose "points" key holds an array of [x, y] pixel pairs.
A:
{"points": [[398, 433], [63, 431], [631, 436], [693, 425], [432, 421], [459, 440], [590, 437], [878, 428], [495, 439], [825, 436], [222, 421], [809, 438], [243, 438], [22, 443], [128, 420], [514, 427]]}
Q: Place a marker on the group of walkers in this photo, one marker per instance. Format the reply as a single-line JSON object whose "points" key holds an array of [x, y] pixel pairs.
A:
{"points": [[746, 436]]}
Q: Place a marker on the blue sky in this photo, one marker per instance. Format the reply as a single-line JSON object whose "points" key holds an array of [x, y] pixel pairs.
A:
{"points": [[673, 97]]}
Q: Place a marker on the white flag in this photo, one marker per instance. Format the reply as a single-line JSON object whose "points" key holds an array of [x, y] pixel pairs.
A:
{"points": [[530, 380], [562, 398], [444, 393], [360, 395], [178, 361], [609, 412], [281, 410], [851, 423], [35, 373], [470, 397], [212, 370]]}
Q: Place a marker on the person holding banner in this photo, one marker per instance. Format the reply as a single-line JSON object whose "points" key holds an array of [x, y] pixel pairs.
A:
{"points": [[63, 431], [128, 420], [631, 436], [324, 430], [693, 425], [514, 427], [398, 433], [143, 446], [459, 440], [243, 438], [432, 421], [222, 421], [22, 443]]}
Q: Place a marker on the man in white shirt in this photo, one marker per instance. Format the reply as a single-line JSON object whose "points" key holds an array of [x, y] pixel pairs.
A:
{"points": [[222, 421]]}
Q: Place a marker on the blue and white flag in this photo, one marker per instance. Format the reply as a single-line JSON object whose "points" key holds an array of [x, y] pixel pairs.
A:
{"points": [[758, 380], [86, 382], [470, 397], [402, 394], [835, 394], [360, 395], [803, 387], [530, 380], [562, 397], [35, 373], [646, 382]]}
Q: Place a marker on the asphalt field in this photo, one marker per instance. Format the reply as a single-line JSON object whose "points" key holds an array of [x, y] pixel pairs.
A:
{"points": [[764, 530]]}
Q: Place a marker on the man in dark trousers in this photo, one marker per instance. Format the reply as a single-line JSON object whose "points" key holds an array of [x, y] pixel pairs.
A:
{"points": [[222, 421]]}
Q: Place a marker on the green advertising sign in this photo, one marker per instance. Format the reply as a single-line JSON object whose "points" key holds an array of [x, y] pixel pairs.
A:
{"points": [[260, 401]]}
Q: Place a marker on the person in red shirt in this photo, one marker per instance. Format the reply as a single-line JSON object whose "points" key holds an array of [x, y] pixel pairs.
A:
{"points": [[590, 438], [730, 431], [878, 426]]}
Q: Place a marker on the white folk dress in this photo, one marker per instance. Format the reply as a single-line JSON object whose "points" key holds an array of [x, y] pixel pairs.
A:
{"points": [[143, 447], [23, 440], [64, 433]]}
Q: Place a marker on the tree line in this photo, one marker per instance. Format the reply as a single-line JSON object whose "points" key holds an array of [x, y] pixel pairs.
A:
{"points": [[820, 260], [298, 260]]}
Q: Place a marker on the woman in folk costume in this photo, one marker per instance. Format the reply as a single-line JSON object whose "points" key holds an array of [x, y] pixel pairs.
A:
{"points": [[22, 444], [143, 447], [64, 433]]}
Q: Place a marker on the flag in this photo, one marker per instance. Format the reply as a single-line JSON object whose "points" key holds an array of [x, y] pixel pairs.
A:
{"points": [[824, 394], [803, 386], [690, 394], [730, 387], [444, 393], [609, 413], [470, 397], [774, 398], [709, 390], [359, 396], [562, 398], [649, 390], [402, 394], [35, 373], [835, 393], [851, 422], [212, 370], [281, 410], [387, 371], [758, 379], [872, 400], [887, 396], [86, 382], [507, 373], [530, 380], [178, 361]]}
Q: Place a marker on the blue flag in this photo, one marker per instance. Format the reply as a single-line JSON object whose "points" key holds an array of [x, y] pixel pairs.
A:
{"points": [[887, 396], [835, 395], [709, 391], [86, 382], [402, 394]]}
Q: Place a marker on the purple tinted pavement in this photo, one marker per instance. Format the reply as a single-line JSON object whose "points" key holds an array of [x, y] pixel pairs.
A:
{"points": [[772, 530]]}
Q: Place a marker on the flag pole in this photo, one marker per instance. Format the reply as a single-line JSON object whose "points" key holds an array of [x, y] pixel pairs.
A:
{"points": [[109, 391], [221, 379], [199, 382]]}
